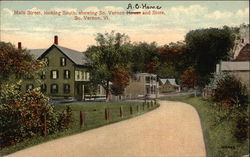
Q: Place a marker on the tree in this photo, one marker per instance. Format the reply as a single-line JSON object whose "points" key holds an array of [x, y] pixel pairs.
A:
{"points": [[174, 60], [144, 57], [189, 78], [112, 51], [120, 80], [207, 47], [15, 61]]}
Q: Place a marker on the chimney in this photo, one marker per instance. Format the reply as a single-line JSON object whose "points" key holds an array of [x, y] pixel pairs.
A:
{"points": [[19, 46], [56, 40]]}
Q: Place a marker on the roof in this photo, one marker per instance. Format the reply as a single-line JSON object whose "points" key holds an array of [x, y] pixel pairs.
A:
{"points": [[235, 66], [36, 52], [171, 81], [77, 57], [244, 54]]}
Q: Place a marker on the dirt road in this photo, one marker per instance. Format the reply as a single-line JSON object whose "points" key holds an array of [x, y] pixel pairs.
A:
{"points": [[172, 130]]}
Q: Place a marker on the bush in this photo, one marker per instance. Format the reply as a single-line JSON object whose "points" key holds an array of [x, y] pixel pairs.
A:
{"points": [[23, 117], [240, 127], [231, 96], [230, 92]]}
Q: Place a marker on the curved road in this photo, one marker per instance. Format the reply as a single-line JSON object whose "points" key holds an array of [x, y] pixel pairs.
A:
{"points": [[172, 130]]}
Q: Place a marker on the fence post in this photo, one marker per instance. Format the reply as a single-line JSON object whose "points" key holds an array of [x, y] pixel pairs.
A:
{"points": [[82, 119], [45, 125], [148, 104], [131, 110], [143, 106], [106, 114], [121, 112]]}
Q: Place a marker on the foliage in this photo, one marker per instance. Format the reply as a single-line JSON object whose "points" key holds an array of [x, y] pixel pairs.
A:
{"points": [[231, 97], [174, 60], [241, 127], [22, 115], [231, 92], [112, 51], [120, 80], [189, 78], [65, 118], [144, 57], [207, 47], [15, 61]]}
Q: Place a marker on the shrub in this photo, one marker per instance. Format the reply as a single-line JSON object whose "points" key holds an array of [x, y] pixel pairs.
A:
{"points": [[23, 117], [65, 118], [189, 78], [240, 127], [230, 92]]}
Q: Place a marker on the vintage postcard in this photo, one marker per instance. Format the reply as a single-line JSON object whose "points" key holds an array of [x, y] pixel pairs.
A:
{"points": [[124, 78]]}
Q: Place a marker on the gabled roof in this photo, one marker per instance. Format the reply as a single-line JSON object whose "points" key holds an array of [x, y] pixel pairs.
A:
{"points": [[76, 57], [244, 54], [36, 52], [171, 81]]}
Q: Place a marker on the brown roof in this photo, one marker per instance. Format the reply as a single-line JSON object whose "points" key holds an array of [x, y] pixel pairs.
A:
{"points": [[244, 54]]}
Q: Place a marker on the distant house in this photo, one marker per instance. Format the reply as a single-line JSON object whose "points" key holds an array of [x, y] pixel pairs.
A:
{"points": [[66, 74], [240, 65], [168, 85], [142, 84]]}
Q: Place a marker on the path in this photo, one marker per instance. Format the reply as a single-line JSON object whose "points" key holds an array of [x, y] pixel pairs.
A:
{"points": [[172, 130]]}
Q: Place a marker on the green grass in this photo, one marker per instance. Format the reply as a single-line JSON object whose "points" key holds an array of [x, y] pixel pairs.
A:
{"points": [[218, 138], [94, 118]]}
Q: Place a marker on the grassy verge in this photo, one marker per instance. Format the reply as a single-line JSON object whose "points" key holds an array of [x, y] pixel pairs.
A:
{"points": [[94, 118], [218, 138]]}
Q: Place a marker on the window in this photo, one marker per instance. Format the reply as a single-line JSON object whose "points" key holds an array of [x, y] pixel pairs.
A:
{"points": [[46, 59], [54, 88], [63, 61], [86, 76], [66, 74], [29, 86], [147, 79], [43, 88], [66, 88], [43, 75], [54, 74]]}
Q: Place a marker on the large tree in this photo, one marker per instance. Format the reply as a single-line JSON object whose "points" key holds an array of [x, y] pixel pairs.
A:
{"points": [[15, 61], [144, 57], [174, 60], [207, 47], [112, 50]]}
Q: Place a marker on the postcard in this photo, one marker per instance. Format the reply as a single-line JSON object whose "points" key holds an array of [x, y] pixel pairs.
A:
{"points": [[124, 78]]}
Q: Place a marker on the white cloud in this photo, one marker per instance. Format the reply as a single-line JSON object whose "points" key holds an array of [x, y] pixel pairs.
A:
{"points": [[243, 13], [192, 10], [219, 15]]}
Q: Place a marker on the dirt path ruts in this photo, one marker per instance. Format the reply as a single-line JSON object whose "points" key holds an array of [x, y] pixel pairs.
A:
{"points": [[172, 130]]}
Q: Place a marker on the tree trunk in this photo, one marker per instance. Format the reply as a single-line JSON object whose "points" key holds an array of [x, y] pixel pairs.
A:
{"points": [[107, 92]]}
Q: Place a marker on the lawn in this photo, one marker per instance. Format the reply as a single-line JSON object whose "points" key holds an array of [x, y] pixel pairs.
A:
{"points": [[94, 117], [218, 137]]}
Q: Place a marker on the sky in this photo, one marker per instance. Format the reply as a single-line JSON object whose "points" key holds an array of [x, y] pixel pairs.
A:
{"points": [[37, 31]]}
